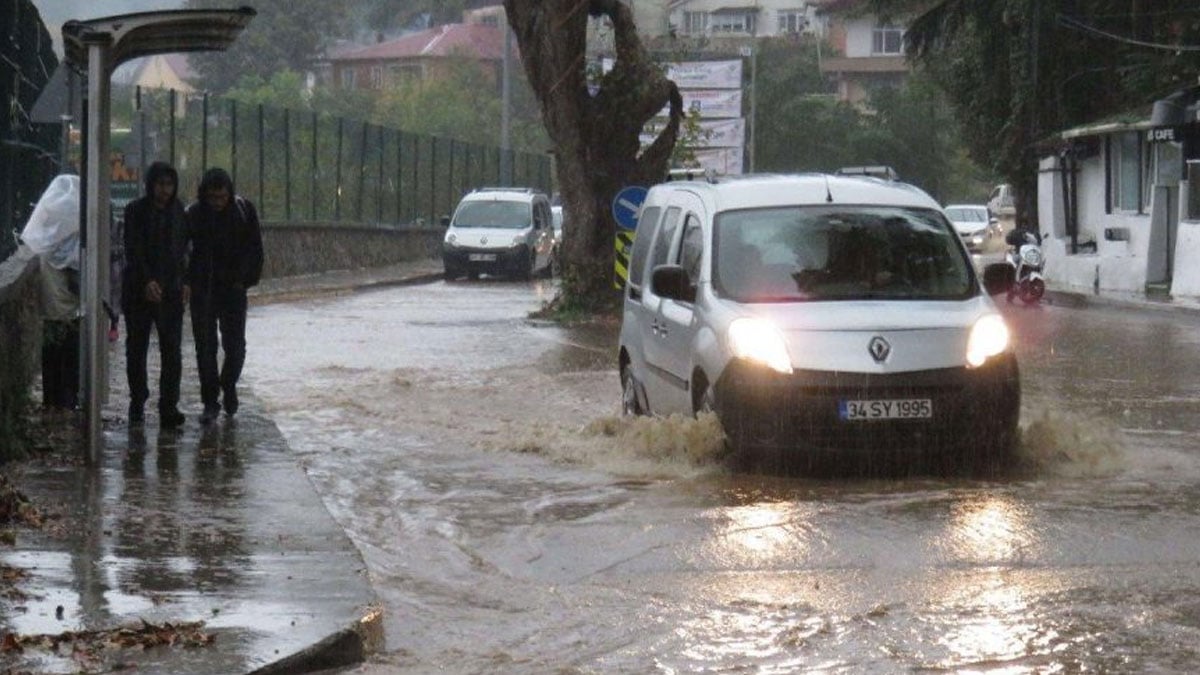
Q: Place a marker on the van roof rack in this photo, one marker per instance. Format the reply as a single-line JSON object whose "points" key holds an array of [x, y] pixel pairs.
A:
{"points": [[876, 171], [709, 175], [527, 190]]}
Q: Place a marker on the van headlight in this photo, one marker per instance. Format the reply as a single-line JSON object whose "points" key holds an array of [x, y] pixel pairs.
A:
{"points": [[518, 240], [989, 337], [758, 340], [452, 240]]}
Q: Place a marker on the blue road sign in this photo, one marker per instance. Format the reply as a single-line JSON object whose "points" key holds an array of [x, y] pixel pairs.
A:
{"points": [[626, 204]]}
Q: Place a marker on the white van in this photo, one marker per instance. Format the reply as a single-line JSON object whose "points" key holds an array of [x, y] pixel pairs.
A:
{"points": [[816, 313], [1002, 201], [503, 231]]}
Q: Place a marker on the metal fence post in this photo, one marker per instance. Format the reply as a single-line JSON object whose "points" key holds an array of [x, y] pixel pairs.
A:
{"points": [[233, 140], [287, 164], [432, 179], [400, 177], [204, 134], [142, 135], [450, 176], [416, 182], [379, 183], [262, 163], [315, 124], [171, 116], [337, 194], [362, 173]]}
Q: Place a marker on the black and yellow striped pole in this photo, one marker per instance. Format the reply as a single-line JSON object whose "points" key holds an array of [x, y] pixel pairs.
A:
{"points": [[624, 246], [625, 208]]}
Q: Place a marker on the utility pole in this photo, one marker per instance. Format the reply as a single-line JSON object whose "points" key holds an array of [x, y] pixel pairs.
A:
{"points": [[506, 110]]}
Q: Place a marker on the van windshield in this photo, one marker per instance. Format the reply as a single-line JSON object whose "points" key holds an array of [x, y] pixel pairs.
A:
{"points": [[498, 214], [838, 253]]}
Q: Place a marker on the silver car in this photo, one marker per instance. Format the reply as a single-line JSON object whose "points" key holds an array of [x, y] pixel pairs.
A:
{"points": [[815, 313]]}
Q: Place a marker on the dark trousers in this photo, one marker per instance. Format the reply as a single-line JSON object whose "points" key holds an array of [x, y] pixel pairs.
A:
{"points": [[221, 311], [166, 318], [60, 364]]}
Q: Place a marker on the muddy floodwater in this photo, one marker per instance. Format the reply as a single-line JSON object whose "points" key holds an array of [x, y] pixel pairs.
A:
{"points": [[511, 521]]}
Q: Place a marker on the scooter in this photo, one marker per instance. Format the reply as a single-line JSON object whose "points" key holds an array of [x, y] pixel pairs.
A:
{"points": [[1025, 257]]}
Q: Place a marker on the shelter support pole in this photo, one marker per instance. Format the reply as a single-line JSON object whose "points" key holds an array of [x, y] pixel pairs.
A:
{"points": [[97, 238]]}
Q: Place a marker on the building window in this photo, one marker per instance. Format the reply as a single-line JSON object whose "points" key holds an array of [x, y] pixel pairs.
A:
{"points": [[733, 23], [792, 21], [1125, 172], [377, 77], [1193, 190], [348, 78], [887, 40], [401, 75], [695, 23]]}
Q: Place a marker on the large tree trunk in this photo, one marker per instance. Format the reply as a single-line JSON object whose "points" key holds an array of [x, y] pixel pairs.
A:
{"points": [[595, 137]]}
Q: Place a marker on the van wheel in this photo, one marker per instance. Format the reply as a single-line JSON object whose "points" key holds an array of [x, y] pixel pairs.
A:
{"points": [[630, 405], [527, 273]]}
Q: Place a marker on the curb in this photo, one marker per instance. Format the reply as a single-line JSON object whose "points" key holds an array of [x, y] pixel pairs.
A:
{"points": [[347, 647], [1077, 300], [284, 294]]}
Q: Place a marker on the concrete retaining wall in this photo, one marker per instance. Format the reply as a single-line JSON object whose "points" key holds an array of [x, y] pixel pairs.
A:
{"points": [[20, 341], [290, 250], [308, 248]]}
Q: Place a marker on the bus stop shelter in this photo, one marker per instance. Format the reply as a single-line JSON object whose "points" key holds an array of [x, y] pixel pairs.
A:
{"points": [[96, 47]]}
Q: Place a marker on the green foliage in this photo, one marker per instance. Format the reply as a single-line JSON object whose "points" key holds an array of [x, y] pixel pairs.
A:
{"points": [[463, 102], [1019, 71], [284, 89], [286, 34], [690, 137], [802, 127]]}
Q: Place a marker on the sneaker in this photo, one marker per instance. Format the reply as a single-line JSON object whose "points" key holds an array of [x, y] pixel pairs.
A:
{"points": [[209, 415], [137, 417], [170, 418], [231, 401]]}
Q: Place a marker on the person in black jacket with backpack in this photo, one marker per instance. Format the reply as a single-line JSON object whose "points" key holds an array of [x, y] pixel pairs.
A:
{"points": [[226, 259], [153, 291]]}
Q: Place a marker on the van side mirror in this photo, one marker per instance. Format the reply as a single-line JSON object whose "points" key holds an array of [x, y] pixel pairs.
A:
{"points": [[671, 281], [997, 278]]}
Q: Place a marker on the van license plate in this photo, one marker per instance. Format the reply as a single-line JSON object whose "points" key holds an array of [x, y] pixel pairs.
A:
{"points": [[482, 257], [886, 409]]}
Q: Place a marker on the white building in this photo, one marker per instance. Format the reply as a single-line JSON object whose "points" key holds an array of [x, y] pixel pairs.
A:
{"points": [[1119, 207], [717, 19], [868, 51]]}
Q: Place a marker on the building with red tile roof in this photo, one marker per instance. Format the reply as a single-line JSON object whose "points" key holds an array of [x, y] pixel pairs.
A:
{"points": [[417, 56]]}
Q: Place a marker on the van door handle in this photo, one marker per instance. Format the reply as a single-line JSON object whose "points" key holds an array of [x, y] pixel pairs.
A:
{"points": [[659, 329]]}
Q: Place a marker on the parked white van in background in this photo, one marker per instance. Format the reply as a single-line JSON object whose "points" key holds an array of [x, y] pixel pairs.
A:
{"points": [[502, 231]]}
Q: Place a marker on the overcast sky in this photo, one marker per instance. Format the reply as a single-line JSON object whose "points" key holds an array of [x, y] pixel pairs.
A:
{"points": [[57, 12]]}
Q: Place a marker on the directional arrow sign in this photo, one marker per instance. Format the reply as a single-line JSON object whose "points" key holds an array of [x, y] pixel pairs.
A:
{"points": [[626, 204]]}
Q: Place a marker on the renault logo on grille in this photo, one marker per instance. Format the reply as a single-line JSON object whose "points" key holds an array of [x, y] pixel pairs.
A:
{"points": [[879, 349], [483, 240]]}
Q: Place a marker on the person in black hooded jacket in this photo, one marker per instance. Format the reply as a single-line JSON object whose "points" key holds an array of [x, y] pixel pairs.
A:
{"points": [[153, 292], [226, 259]]}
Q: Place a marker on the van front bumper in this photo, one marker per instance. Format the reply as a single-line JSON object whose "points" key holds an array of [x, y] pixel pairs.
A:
{"points": [[760, 408], [514, 260]]}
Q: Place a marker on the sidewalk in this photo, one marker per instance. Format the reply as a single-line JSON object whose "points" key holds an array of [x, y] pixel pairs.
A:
{"points": [[213, 536], [1072, 297]]}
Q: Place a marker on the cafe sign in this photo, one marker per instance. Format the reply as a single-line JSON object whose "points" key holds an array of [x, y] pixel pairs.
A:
{"points": [[1164, 135]]}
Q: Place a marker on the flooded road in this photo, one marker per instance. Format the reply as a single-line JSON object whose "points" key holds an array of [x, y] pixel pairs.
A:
{"points": [[511, 522]]}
